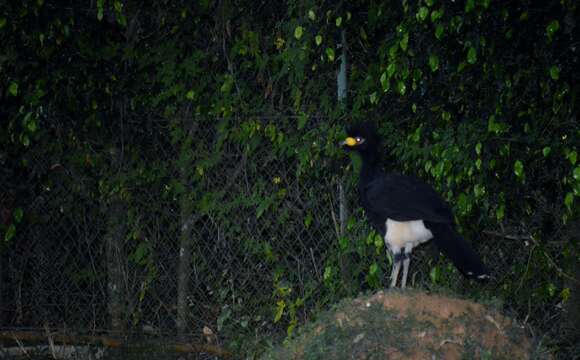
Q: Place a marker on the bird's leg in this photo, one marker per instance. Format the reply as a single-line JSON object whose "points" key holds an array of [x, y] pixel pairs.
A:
{"points": [[406, 263], [397, 259], [395, 273]]}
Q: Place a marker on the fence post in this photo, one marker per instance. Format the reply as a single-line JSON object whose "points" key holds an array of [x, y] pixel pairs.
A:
{"points": [[341, 79], [342, 90], [186, 220], [570, 328], [114, 256], [184, 267]]}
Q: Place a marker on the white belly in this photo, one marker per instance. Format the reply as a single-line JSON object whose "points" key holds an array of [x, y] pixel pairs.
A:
{"points": [[401, 234]]}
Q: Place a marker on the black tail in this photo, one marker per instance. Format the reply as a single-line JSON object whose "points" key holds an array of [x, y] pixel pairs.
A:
{"points": [[458, 250]]}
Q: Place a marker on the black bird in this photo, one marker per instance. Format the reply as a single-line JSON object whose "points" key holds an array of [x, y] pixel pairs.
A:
{"points": [[406, 211]]}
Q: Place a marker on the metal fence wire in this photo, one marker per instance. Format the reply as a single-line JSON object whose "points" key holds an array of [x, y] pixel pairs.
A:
{"points": [[265, 249]]}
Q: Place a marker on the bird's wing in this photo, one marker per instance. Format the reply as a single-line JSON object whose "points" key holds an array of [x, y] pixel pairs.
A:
{"points": [[404, 198]]}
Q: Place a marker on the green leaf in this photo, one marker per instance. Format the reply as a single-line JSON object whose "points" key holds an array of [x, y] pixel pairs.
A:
{"points": [[401, 87], [552, 28], [330, 54], [437, 170], [572, 156], [472, 55], [433, 62], [29, 122], [379, 242], [551, 289], [500, 212], [436, 15], [385, 82], [268, 253], [546, 151], [576, 173], [435, 274], [393, 51], [479, 190], [555, 72], [224, 316], [298, 32], [280, 306], [311, 15], [301, 123], [13, 89], [100, 9], [370, 238], [423, 13], [519, 168], [373, 98], [264, 204], [469, 6], [343, 242], [363, 34], [439, 31], [18, 213], [327, 273], [404, 43], [190, 95], [565, 294], [2, 22], [374, 268], [496, 127], [118, 6], [318, 40], [391, 68], [338, 21], [244, 322], [569, 200], [10, 232], [25, 140], [478, 147], [227, 85], [121, 19], [464, 204], [140, 253], [279, 43]]}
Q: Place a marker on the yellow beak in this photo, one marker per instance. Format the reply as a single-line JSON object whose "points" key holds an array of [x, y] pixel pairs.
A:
{"points": [[349, 141]]}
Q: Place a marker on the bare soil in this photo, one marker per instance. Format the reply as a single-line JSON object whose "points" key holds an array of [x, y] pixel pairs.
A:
{"points": [[408, 325]]}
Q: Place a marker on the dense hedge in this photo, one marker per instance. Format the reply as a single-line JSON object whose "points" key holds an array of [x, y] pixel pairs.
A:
{"points": [[478, 98]]}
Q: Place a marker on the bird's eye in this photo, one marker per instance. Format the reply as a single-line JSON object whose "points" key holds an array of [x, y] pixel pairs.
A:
{"points": [[359, 140]]}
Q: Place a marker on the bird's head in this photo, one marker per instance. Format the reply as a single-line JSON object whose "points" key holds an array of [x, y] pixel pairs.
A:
{"points": [[361, 137]]}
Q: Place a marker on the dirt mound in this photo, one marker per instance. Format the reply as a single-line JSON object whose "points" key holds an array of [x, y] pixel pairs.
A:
{"points": [[408, 325]]}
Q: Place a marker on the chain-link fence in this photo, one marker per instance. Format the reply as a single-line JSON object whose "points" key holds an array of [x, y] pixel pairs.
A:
{"points": [[266, 247]]}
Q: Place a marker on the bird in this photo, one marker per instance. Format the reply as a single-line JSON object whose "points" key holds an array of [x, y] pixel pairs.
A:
{"points": [[407, 211]]}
